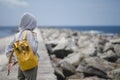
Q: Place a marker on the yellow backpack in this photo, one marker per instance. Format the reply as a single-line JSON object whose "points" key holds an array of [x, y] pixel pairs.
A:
{"points": [[25, 56]]}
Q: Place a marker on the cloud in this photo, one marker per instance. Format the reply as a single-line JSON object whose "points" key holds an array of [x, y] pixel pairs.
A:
{"points": [[14, 2]]}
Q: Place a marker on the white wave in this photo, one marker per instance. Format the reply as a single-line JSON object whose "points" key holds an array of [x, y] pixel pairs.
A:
{"points": [[93, 32]]}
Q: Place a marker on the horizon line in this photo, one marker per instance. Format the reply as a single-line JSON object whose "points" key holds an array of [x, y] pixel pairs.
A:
{"points": [[61, 25]]}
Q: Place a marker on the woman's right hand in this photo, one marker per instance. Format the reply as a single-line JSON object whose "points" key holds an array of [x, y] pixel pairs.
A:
{"points": [[10, 65]]}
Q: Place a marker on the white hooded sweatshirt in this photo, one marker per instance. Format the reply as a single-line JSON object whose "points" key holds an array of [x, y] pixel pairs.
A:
{"points": [[28, 22]]}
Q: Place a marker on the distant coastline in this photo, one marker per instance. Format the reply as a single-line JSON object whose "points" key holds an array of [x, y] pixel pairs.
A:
{"points": [[9, 30]]}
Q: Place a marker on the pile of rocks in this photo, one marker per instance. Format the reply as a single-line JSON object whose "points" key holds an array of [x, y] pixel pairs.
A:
{"points": [[83, 55]]}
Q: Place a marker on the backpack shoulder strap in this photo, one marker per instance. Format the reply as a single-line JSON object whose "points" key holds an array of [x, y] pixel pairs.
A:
{"points": [[10, 58], [25, 34]]}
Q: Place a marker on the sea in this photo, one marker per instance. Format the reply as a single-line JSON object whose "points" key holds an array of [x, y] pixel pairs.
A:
{"points": [[10, 30]]}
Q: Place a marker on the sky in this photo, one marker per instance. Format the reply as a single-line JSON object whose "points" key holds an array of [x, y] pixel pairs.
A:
{"points": [[62, 12]]}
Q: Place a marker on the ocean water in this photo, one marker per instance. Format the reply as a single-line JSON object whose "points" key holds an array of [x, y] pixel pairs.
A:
{"points": [[10, 30], [101, 29], [7, 31]]}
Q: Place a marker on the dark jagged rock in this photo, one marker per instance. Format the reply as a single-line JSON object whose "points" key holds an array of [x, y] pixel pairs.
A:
{"points": [[92, 71], [59, 74], [50, 47], [61, 53], [58, 71], [62, 49]]}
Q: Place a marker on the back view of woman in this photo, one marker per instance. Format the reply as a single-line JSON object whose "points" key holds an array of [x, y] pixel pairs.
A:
{"points": [[28, 22]]}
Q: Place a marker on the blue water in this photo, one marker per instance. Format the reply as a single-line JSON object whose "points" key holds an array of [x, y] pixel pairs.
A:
{"points": [[10, 30], [7, 31], [104, 29]]}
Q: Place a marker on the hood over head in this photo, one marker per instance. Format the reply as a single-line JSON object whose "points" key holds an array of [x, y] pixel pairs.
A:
{"points": [[28, 22]]}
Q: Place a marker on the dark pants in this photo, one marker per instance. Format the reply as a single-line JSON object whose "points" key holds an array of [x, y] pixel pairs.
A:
{"points": [[28, 74]]}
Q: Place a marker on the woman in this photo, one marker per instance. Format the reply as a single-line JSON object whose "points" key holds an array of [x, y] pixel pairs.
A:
{"points": [[28, 22]]}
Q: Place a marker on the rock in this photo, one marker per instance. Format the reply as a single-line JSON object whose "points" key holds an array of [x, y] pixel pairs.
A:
{"points": [[118, 61], [109, 56], [113, 47], [58, 71], [52, 43], [74, 58], [115, 74], [109, 46], [72, 44], [115, 41], [89, 49], [89, 53], [92, 71], [55, 60], [95, 66], [93, 78], [61, 53], [117, 49], [75, 33], [76, 76], [102, 40], [52, 34], [59, 74], [68, 69], [82, 66], [101, 64], [83, 41], [49, 48], [61, 49]]}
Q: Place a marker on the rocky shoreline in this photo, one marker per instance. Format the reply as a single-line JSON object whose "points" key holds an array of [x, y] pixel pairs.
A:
{"points": [[83, 55], [76, 55]]}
